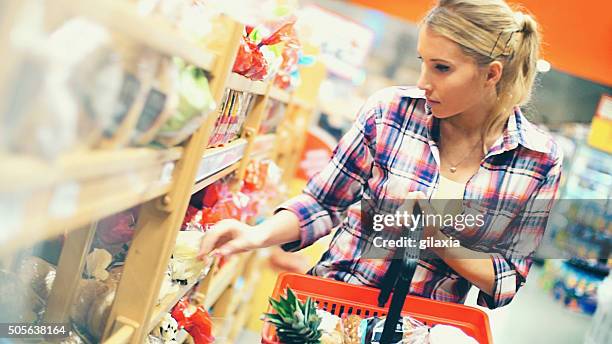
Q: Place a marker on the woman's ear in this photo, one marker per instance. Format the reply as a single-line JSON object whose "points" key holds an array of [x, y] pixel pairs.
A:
{"points": [[494, 73]]}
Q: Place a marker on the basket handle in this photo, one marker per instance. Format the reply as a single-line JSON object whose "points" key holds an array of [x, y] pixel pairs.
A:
{"points": [[398, 278]]}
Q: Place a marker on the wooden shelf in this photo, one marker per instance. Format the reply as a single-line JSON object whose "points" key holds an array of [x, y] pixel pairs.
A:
{"points": [[153, 30], [213, 178], [280, 95], [222, 280], [43, 199], [240, 83], [217, 163]]}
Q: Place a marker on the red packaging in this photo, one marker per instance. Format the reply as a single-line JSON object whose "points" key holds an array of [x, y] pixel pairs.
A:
{"points": [[195, 320]]}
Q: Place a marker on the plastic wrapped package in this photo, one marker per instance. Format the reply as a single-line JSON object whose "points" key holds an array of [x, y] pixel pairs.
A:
{"points": [[250, 61], [184, 265], [98, 313], [161, 102], [38, 274], [24, 304], [195, 101], [117, 229], [77, 85], [89, 290], [92, 305], [140, 67], [195, 320], [96, 264], [168, 287], [167, 330], [114, 234]]}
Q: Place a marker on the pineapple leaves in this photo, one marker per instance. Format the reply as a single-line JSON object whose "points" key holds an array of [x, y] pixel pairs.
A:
{"points": [[295, 322]]}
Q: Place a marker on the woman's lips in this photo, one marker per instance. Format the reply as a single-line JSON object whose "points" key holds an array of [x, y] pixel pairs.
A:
{"points": [[432, 102]]}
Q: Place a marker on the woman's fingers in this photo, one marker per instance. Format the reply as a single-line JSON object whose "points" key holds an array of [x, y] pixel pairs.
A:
{"points": [[221, 233], [232, 247]]}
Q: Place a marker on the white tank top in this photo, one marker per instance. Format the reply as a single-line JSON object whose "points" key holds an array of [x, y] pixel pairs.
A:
{"points": [[447, 190]]}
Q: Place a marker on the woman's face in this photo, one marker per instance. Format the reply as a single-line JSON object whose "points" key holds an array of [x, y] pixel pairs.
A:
{"points": [[452, 81]]}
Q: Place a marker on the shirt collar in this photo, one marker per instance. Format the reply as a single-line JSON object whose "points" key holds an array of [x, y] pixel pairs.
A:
{"points": [[517, 131]]}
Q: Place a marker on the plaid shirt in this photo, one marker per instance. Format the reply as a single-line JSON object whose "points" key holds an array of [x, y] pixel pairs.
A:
{"points": [[392, 146]]}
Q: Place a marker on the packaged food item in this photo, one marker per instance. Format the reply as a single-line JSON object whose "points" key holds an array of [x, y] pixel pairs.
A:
{"points": [[38, 274], [350, 329], [195, 102], [89, 290], [441, 334], [22, 303], [195, 320], [184, 265], [140, 67], [70, 85], [160, 104], [166, 330]]}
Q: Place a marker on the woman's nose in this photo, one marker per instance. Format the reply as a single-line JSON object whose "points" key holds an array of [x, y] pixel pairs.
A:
{"points": [[423, 83]]}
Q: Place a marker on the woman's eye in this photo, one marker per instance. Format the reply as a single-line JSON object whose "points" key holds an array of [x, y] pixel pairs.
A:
{"points": [[442, 68]]}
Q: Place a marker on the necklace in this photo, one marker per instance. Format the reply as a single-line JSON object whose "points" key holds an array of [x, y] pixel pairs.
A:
{"points": [[453, 167]]}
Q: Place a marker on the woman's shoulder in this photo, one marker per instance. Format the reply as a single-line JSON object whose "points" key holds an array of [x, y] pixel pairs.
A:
{"points": [[396, 101], [539, 140]]}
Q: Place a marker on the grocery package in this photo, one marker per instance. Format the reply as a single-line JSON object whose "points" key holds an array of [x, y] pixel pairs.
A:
{"points": [[195, 320], [160, 103], [184, 266], [195, 102], [235, 107], [165, 331], [24, 304], [260, 52], [65, 97]]}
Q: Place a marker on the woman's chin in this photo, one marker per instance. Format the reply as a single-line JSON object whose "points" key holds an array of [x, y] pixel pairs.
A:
{"points": [[440, 115]]}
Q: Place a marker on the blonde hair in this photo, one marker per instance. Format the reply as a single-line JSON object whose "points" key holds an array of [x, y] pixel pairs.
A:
{"points": [[487, 31]]}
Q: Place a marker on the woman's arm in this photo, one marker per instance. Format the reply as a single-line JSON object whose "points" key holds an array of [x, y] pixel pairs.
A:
{"points": [[476, 267], [281, 228]]}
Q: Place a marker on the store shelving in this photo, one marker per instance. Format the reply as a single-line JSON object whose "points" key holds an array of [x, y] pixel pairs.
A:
{"points": [[42, 199], [220, 162], [168, 302], [153, 30], [77, 189], [222, 279]]}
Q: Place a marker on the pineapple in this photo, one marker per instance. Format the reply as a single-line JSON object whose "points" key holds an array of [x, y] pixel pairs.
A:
{"points": [[295, 322]]}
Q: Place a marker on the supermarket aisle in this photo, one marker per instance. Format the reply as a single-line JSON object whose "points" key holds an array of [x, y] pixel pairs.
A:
{"points": [[535, 317]]}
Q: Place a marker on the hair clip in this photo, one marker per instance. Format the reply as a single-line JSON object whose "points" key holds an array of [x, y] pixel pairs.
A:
{"points": [[497, 40]]}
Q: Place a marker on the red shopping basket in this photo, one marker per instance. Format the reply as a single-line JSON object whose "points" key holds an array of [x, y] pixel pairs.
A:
{"points": [[339, 298]]}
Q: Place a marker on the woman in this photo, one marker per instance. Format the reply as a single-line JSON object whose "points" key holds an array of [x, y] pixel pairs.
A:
{"points": [[459, 135]]}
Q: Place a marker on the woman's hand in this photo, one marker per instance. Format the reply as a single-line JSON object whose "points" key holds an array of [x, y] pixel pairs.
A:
{"points": [[228, 237]]}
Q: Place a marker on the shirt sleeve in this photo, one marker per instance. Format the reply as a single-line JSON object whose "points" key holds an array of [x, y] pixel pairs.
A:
{"points": [[511, 268], [340, 184]]}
